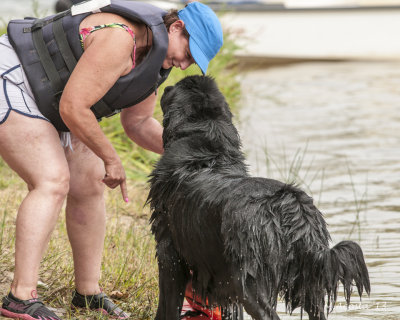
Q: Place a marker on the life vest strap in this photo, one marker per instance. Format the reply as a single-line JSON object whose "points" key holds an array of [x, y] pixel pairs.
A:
{"points": [[47, 63], [40, 23], [63, 45], [100, 109]]}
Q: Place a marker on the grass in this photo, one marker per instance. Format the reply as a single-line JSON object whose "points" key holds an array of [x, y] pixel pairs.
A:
{"points": [[129, 269], [360, 205], [137, 161], [293, 169]]}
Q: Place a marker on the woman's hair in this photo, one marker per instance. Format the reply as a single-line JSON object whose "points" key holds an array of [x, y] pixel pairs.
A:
{"points": [[170, 18]]}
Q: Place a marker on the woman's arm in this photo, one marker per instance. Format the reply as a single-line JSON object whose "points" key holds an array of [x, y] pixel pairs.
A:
{"points": [[141, 127], [107, 57]]}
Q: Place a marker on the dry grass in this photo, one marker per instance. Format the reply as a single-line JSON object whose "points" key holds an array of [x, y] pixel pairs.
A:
{"points": [[129, 266]]}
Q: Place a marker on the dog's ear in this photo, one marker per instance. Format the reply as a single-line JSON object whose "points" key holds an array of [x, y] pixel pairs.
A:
{"points": [[203, 107], [201, 99], [209, 103]]}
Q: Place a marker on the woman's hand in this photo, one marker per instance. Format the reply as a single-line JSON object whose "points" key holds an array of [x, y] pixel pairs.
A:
{"points": [[115, 176]]}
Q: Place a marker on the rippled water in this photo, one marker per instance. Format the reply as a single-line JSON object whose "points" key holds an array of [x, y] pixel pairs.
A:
{"points": [[337, 125]]}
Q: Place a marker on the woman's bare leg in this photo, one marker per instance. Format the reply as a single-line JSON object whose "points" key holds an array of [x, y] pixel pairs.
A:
{"points": [[86, 216], [31, 147]]}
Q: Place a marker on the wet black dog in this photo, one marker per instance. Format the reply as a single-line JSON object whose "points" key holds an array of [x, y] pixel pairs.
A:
{"points": [[240, 239]]}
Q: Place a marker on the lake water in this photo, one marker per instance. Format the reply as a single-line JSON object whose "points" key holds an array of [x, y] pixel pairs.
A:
{"points": [[11, 9], [337, 125]]}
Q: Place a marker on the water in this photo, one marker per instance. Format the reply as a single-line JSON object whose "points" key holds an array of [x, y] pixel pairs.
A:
{"points": [[11, 9], [339, 123]]}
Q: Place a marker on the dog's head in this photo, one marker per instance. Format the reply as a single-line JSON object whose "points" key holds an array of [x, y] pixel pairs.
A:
{"points": [[195, 105]]}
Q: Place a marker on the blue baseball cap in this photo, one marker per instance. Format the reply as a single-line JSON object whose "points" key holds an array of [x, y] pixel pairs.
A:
{"points": [[205, 32]]}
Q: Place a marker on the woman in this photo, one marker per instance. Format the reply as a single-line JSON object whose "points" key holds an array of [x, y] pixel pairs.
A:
{"points": [[63, 73]]}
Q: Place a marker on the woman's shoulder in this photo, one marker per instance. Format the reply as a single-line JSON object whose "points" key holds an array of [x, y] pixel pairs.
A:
{"points": [[110, 36]]}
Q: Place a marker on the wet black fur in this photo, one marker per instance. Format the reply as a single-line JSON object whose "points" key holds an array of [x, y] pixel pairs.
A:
{"points": [[246, 240]]}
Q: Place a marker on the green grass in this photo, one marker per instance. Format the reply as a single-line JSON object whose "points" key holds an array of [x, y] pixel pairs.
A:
{"points": [[296, 169], [293, 168], [137, 161], [360, 204]]}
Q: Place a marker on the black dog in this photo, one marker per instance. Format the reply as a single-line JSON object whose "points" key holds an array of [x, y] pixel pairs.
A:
{"points": [[239, 239]]}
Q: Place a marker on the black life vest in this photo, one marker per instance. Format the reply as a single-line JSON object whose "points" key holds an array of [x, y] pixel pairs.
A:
{"points": [[49, 48]]}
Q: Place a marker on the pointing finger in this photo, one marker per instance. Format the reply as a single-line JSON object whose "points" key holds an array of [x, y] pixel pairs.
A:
{"points": [[124, 191]]}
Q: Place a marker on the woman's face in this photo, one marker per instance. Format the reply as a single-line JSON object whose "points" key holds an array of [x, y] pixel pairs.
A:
{"points": [[178, 53]]}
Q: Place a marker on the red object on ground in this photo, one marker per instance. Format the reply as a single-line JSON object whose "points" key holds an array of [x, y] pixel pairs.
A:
{"points": [[197, 309]]}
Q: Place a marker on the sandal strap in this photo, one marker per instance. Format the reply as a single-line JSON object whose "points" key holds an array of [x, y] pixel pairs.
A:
{"points": [[32, 304], [32, 307], [97, 301]]}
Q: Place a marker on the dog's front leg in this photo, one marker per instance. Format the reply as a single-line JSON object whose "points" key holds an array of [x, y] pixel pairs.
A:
{"points": [[173, 277]]}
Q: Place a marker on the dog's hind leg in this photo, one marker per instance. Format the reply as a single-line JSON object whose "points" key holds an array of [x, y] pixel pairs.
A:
{"points": [[258, 312], [314, 314], [321, 316], [256, 303], [173, 277]]}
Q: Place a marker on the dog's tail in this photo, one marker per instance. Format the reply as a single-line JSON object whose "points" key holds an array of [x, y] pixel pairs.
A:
{"points": [[347, 264], [321, 272], [313, 271]]}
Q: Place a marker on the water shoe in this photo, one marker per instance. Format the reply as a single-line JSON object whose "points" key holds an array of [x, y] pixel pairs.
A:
{"points": [[31, 309], [99, 302]]}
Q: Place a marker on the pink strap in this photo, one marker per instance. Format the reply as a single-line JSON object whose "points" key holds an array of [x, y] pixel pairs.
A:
{"points": [[84, 32]]}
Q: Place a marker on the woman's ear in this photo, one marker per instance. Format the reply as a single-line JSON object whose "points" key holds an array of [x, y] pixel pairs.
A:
{"points": [[177, 26]]}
